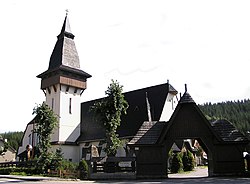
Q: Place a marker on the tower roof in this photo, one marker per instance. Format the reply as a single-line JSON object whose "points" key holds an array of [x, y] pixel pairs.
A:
{"points": [[186, 98], [64, 55], [66, 30]]}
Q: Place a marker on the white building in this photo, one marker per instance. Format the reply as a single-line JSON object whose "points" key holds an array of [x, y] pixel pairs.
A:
{"points": [[7, 155]]}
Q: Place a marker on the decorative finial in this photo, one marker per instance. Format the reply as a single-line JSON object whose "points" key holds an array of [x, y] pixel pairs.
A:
{"points": [[67, 11], [185, 87]]}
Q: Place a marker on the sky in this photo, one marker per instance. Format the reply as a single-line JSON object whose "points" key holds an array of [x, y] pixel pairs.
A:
{"points": [[202, 43]]}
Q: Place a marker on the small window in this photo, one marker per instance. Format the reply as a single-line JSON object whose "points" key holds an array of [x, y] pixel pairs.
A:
{"points": [[70, 104], [30, 139], [52, 104]]}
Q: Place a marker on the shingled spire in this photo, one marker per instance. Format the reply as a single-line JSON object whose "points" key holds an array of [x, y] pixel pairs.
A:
{"points": [[65, 52], [64, 59]]}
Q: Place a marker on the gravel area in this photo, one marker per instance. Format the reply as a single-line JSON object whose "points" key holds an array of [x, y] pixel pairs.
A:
{"points": [[198, 172]]}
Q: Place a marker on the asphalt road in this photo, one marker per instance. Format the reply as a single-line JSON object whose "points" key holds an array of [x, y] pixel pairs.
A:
{"points": [[167, 181], [199, 176]]}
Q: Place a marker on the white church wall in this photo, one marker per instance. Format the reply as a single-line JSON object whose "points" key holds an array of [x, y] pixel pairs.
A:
{"points": [[66, 104], [27, 138], [70, 152], [53, 101], [70, 114], [169, 107]]}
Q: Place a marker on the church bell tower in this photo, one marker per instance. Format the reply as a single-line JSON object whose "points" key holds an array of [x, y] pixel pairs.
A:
{"points": [[63, 84]]}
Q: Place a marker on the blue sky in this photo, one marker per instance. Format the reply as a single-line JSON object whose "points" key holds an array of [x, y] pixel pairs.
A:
{"points": [[140, 43]]}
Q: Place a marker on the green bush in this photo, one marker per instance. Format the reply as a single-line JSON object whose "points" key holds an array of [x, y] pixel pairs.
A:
{"points": [[68, 165], [84, 169], [188, 161], [6, 170], [177, 164], [18, 171]]}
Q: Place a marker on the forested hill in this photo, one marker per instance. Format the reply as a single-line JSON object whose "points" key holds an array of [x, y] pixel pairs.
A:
{"points": [[237, 112], [14, 138]]}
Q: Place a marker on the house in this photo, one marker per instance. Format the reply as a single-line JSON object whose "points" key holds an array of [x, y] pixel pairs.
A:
{"points": [[79, 134], [6, 155]]}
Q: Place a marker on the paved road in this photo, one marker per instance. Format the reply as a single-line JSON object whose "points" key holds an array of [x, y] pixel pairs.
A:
{"points": [[7, 180], [167, 181], [199, 176]]}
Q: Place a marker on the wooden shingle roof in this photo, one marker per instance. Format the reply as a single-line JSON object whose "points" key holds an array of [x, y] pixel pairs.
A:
{"points": [[227, 132], [64, 57], [154, 132], [148, 133]]}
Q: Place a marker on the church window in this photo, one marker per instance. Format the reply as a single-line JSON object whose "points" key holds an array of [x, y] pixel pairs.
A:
{"points": [[70, 104], [30, 139], [52, 104]]}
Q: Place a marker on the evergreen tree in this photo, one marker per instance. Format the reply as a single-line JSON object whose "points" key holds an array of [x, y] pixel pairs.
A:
{"points": [[13, 138], [188, 161], [57, 159], [177, 164], [237, 112]]}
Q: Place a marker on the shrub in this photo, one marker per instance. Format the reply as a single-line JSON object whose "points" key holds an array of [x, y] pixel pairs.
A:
{"points": [[177, 164], [57, 159], [84, 169], [18, 171], [188, 161], [6, 170]]}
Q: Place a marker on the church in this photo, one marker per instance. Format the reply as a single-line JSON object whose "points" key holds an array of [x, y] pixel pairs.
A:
{"points": [[154, 122], [63, 84]]}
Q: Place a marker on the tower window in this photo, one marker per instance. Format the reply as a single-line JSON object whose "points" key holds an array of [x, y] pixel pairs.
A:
{"points": [[70, 104], [52, 104]]}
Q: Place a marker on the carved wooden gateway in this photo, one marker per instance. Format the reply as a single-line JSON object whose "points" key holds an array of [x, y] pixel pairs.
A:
{"points": [[223, 144]]}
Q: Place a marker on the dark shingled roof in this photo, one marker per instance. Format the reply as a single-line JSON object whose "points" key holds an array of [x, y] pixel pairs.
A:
{"points": [[227, 132], [148, 133], [92, 129], [154, 132], [186, 98]]}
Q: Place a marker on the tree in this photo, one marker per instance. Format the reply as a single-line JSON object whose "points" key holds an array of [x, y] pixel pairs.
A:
{"points": [[177, 164], [45, 122], [14, 138], [57, 159], [109, 110], [188, 161], [237, 112]]}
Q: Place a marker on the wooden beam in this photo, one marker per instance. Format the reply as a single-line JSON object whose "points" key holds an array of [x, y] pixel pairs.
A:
{"points": [[54, 87], [67, 89], [75, 91], [44, 91], [48, 88]]}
